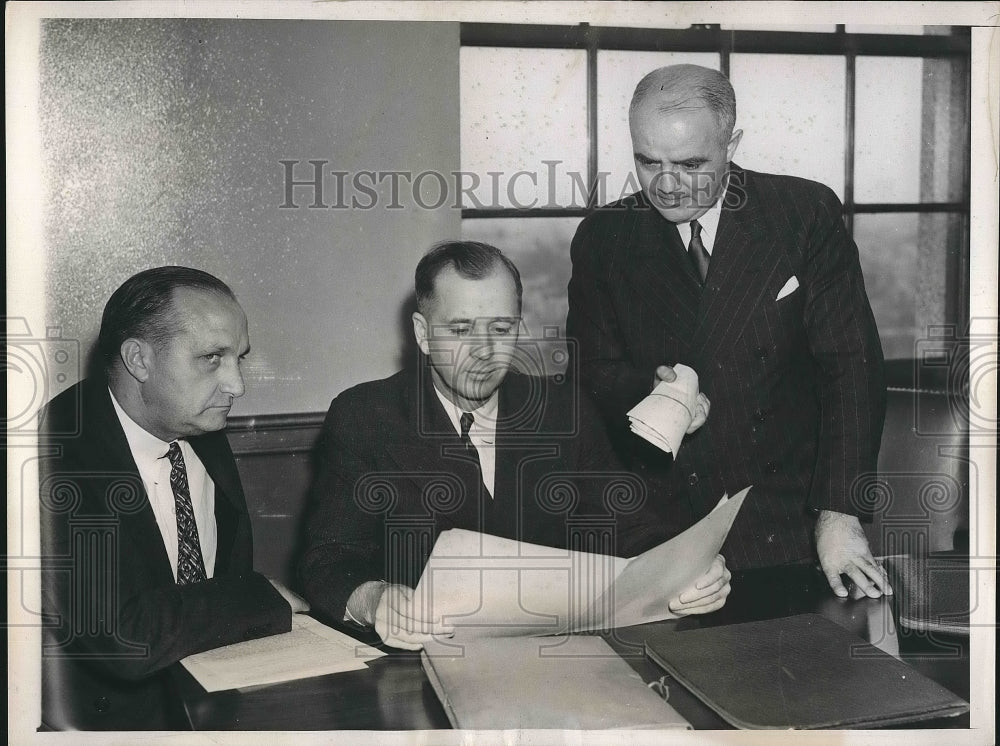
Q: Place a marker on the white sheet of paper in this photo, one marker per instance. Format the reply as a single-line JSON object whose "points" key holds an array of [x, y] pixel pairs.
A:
{"points": [[664, 416], [309, 649], [487, 586], [672, 566]]}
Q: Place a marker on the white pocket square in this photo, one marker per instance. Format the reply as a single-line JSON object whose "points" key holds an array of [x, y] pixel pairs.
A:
{"points": [[789, 287]]}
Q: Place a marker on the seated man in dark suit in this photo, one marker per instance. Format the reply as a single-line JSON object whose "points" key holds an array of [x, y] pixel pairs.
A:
{"points": [[146, 539], [462, 442]]}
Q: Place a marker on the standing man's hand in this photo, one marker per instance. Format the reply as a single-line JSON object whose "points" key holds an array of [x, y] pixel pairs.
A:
{"points": [[843, 550], [666, 373], [299, 605], [399, 623]]}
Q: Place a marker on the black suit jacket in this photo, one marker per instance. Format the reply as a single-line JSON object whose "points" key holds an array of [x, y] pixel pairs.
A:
{"points": [[115, 618], [392, 474], [796, 385]]}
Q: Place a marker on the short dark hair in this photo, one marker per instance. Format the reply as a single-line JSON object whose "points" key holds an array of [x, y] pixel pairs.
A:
{"points": [[143, 307], [472, 260], [703, 85]]}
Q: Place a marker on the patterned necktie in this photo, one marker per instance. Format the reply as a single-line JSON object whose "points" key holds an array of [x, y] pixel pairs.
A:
{"points": [[190, 565], [696, 250]]}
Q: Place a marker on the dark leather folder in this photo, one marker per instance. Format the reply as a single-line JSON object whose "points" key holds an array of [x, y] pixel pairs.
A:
{"points": [[798, 672], [931, 594]]}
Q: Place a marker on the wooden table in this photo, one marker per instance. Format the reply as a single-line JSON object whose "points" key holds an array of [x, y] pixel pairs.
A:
{"points": [[394, 694]]}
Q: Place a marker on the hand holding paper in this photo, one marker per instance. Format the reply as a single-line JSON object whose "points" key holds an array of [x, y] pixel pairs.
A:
{"points": [[398, 620], [707, 594], [670, 410]]}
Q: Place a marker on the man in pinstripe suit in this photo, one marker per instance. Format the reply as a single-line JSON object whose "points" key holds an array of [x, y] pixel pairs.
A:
{"points": [[752, 280]]}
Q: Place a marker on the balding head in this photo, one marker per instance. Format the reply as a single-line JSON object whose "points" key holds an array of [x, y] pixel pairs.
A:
{"points": [[678, 87]]}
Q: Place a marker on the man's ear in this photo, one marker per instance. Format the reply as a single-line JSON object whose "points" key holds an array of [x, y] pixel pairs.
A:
{"points": [[421, 332], [136, 355], [734, 144]]}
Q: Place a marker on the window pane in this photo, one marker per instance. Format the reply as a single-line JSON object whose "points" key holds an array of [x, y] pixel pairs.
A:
{"points": [[540, 249], [906, 259], [876, 29], [617, 75], [887, 129], [520, 107], [791, 111], [801, 28]]}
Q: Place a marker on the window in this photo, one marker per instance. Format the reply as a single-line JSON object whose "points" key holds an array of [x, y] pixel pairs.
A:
{"points": [[880, 115]]}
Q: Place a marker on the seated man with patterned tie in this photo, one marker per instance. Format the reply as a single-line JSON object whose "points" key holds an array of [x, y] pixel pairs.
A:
{"points": [[146, 539], [460, 441]]}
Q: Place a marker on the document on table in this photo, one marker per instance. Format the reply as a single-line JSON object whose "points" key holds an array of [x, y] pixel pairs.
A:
{"points": [[488, 586], [309, 649]]}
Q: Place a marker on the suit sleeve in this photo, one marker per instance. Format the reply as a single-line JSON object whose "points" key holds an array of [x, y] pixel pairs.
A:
{"points": [[606, 367], [341, 552], [844, 341], [616, 491], [105, 609]]}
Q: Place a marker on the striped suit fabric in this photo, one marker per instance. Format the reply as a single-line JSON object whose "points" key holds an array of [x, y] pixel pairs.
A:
{"points": [[796, 385]]}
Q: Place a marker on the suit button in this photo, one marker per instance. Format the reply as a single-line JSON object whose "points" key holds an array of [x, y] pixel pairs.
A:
{"points": [[761, 353], [758, 415], [101, 704], [693, 479], [772, 468]]}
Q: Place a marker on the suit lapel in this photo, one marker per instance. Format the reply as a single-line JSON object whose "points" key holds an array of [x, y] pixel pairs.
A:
{"points": [[428, 445], [139, 525], [520, 439], [738, 277], [658, 272], [221, 468]]}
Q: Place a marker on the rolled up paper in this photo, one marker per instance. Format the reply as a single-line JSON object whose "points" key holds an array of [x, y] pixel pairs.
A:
{"points": [[664, 416]]}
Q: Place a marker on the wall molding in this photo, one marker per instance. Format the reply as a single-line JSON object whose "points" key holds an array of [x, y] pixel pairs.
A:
{"points": [[271, 434]]}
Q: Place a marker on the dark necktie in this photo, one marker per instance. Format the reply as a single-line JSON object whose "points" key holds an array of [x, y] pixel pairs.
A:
{"points": [[696, 250], [190, 565], [466, 424]]}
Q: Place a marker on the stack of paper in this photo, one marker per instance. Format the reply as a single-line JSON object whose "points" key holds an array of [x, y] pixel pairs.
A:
{"points": [[664, 416], [309, 649]]}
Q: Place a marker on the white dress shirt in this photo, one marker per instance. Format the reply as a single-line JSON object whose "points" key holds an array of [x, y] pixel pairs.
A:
{"points": [[483, 433], [150, 454], [709, 223]]}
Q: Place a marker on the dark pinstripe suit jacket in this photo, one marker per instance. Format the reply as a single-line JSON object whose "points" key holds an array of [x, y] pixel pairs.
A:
{"points": [[796, 385]]}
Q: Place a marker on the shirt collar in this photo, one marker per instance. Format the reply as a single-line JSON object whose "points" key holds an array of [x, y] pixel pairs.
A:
{"points": [[485, 416], [709, 222], [143, 444]]}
